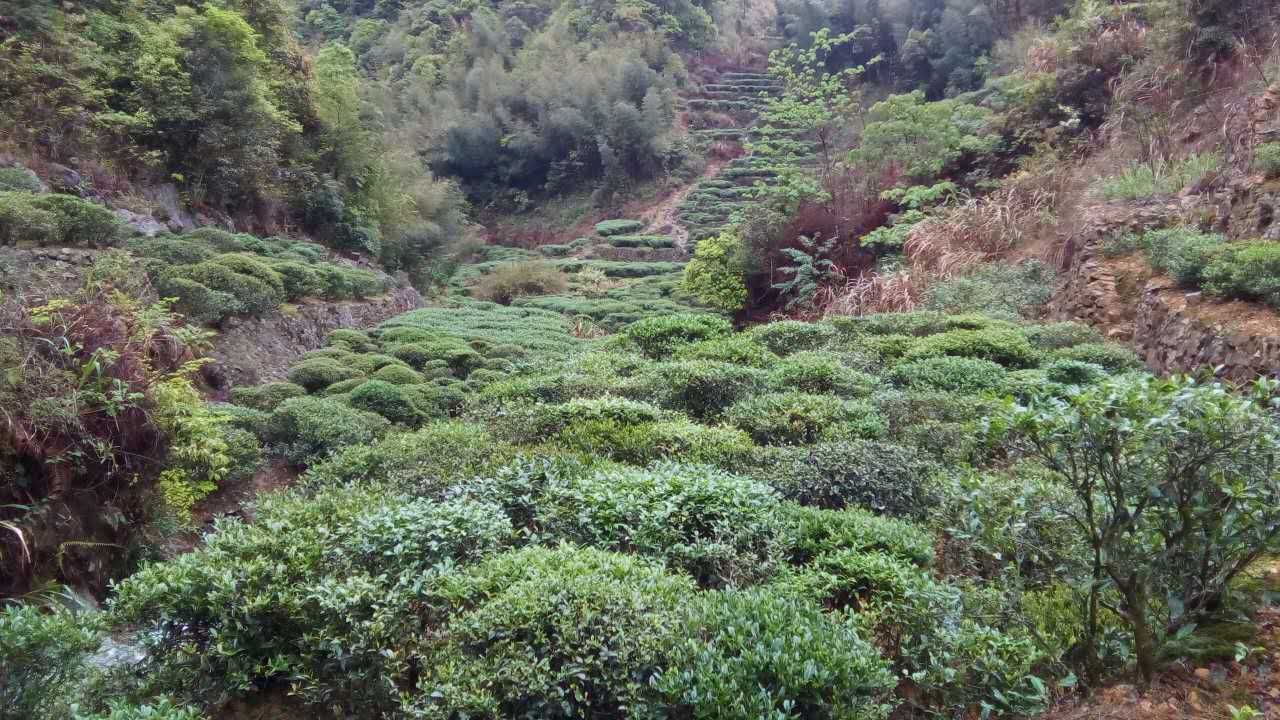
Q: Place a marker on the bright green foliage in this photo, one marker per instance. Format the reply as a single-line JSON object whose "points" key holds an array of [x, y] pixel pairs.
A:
{"points": [[161, 709], [789, 336], [717, 271], [608, 228], [660, 337], [738, 349], [42, 655], [819, 373], [1246, 270], [1266, 159], [998, 290], [1006, 346], [52, 219], [800, 418], [884, 477], [964, 375], [1181, 252], [754, 653], [818, 531], [319, 373], [717, 528], [1141, 181], [649, 442], [522, 617], [925, 138], [306, 429], [396, 375], [1174, 491], [313, 588], [700, 388], [1114, 358], [385, 399]]}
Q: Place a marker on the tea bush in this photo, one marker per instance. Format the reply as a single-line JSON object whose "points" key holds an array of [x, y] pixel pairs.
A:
{"points": [[306, 429], [42, 657], [1006, 346], [267, 396], [701, 388], [320, 372], [739, 349], [791, 336], [819, 531], [18, 179], [1114, 358], [1266, 159], [1246, 270], [801, 418], [385, 399], [53, 219], [659, 337], [608, 228], [519, 618], [820, 373], [890, 479], [965, 375], [756, 653]]}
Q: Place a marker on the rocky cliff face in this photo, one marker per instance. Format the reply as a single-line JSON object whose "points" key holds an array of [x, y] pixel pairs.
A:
{"points": [[255, 350], [1171, 328]]}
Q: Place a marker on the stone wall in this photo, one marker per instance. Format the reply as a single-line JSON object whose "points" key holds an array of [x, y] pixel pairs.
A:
{"points": [[254, 350]]}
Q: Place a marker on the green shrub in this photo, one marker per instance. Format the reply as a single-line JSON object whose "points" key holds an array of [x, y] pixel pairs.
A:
{"points": [[785, 337], [1006, 346], [1266, 159], [171, 249], [716, 274], [820, 373], [196, 300], [42, 655], [1181, 253], [18, 179], [997, 289], [321, 372], [455, 353], [818, 531], [1141, 181], [965, 375], [888, 478], [1056, 336], [759, 654], [1246, 270], [719, 528], [303, 430], [153, 709], [643, 443], [343, 387], [368, 363], [352, 340], [219, 239], [311, 590], [1114, 358], [385, 399], [701, 388], [1074, 372], [298, 280], [739, 349], [267, 396], [396, 374], [522, 618], [659, 337], [618, 227], [254, 295], [434, 401], [423, 462], [801, 418], [80, 222]]}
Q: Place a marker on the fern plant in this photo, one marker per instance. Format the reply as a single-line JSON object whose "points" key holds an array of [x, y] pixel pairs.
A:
{"points": [[809, 271]]}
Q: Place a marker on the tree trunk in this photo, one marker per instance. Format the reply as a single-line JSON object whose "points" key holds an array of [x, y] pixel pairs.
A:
{"points": [[1144, 642]]}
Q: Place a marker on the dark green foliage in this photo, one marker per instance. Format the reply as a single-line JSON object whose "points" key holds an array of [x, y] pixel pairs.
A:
{"points": [[819, 531], [266, 397], [648, 442], [887, 478], [1246, 270], [966, 375], [738, 349], [18, 179], [319, 373], [306, 429], [385, 399], [821, 373], [801, 418], [754, 653], [660, 337], [1006, 346], [1266, 159], [999, 290], [701, 388], [718, 528], [520, 617], [42, 656], [789, 336], [52, 219], [1056, 336], [396, 374], [1114, 358], [608, 228], [312, 588]]}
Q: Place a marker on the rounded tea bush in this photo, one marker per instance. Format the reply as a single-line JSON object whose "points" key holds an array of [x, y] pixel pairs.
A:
{"points": [[660, 336], [970, 376], [266, 396], [321, 372], [516, 620], [739, 349], [305, 429], [1005, 346], [396, 374], [701, 388], [800, 418], [790, 336], [385, 399], [888, 478], [1114, 358], [821, 373]]}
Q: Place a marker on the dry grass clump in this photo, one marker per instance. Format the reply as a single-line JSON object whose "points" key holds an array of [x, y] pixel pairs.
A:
{"points": [[509, 281]]}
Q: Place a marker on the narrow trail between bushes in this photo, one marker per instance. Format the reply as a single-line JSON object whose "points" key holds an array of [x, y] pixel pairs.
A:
{"points": [[664, 218]]}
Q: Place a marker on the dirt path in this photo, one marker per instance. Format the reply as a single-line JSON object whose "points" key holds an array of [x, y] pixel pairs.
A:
{"points": [[662, 218]]}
